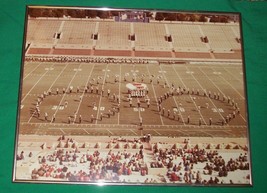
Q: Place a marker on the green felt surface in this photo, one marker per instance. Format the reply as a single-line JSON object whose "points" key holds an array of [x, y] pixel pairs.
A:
{"points": [[254, 17]]}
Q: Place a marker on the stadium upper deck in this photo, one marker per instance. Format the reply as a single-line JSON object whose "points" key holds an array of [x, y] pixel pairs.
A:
{"points": [[129, 39]]}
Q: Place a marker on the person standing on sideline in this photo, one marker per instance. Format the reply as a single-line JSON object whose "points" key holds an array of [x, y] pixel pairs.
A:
{"points": [[92, 118], [53, 118], [210, 121], [188, 119], [46, 116], [80, 119], [140, 121]]}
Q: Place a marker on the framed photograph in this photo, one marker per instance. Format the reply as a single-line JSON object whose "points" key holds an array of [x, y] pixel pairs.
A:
{"points": [[132, 97]]}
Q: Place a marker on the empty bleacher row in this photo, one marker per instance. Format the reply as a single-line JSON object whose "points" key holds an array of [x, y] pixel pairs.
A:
{"points": [[77, 33], [113, 36], [187, 38], [108, 35], [150, 37]]}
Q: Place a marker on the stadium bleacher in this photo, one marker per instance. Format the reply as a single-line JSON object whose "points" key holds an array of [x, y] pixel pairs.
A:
{"points": [[150, 37], [42, 31], [163, 40]]}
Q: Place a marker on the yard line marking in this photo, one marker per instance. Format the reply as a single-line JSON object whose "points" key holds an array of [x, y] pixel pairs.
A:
{"points": [[208, 97], [235, 90], [31, 71], [49, 89], [35, 85], [219, 90], [80, 102], [103, 83], [154, 93], [174, 98], [119, 95], [65, 92], [232, 85]]}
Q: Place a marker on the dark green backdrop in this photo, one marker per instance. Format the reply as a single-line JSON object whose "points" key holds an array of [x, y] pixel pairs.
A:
{"points": [[254, 19]]}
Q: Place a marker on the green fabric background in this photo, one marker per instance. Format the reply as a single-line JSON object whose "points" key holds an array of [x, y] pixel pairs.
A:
{"points": [[254, 20]]}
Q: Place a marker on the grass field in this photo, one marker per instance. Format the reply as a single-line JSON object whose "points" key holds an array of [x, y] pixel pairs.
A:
{"points": [[220, 80]]}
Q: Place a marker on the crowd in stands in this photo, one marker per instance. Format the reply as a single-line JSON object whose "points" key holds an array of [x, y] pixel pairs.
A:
{"points": [[93, 166], [184, 171], [180, 164]]}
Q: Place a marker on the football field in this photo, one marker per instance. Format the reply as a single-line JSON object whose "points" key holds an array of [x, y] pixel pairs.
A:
{"points": [[197, 100]]}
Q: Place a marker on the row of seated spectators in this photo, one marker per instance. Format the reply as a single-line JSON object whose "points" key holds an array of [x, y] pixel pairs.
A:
{"points": [[184, 171], [107, 167]]}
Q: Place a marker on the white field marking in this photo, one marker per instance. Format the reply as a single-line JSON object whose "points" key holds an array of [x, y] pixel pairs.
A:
{"points": [[50, 68], [227, 132], [190, 72], [176, 101], [180, 131], [102, 108], [216, 110], [232, 86], [37, 129], [34, 85], [133, 132], [119, 94], [220, 91], [62, 131], [86, 131], [109, 131], [31, 71], [50, 88], [154, 93], [161, 127], [55, 107], [103, 83], [206, 133], [207, 97], [156, 132], [80, 102], [137, 109], [63, 96]]}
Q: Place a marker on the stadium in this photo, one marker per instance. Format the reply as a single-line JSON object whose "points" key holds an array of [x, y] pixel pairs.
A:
{"points": [[134, 99]]}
